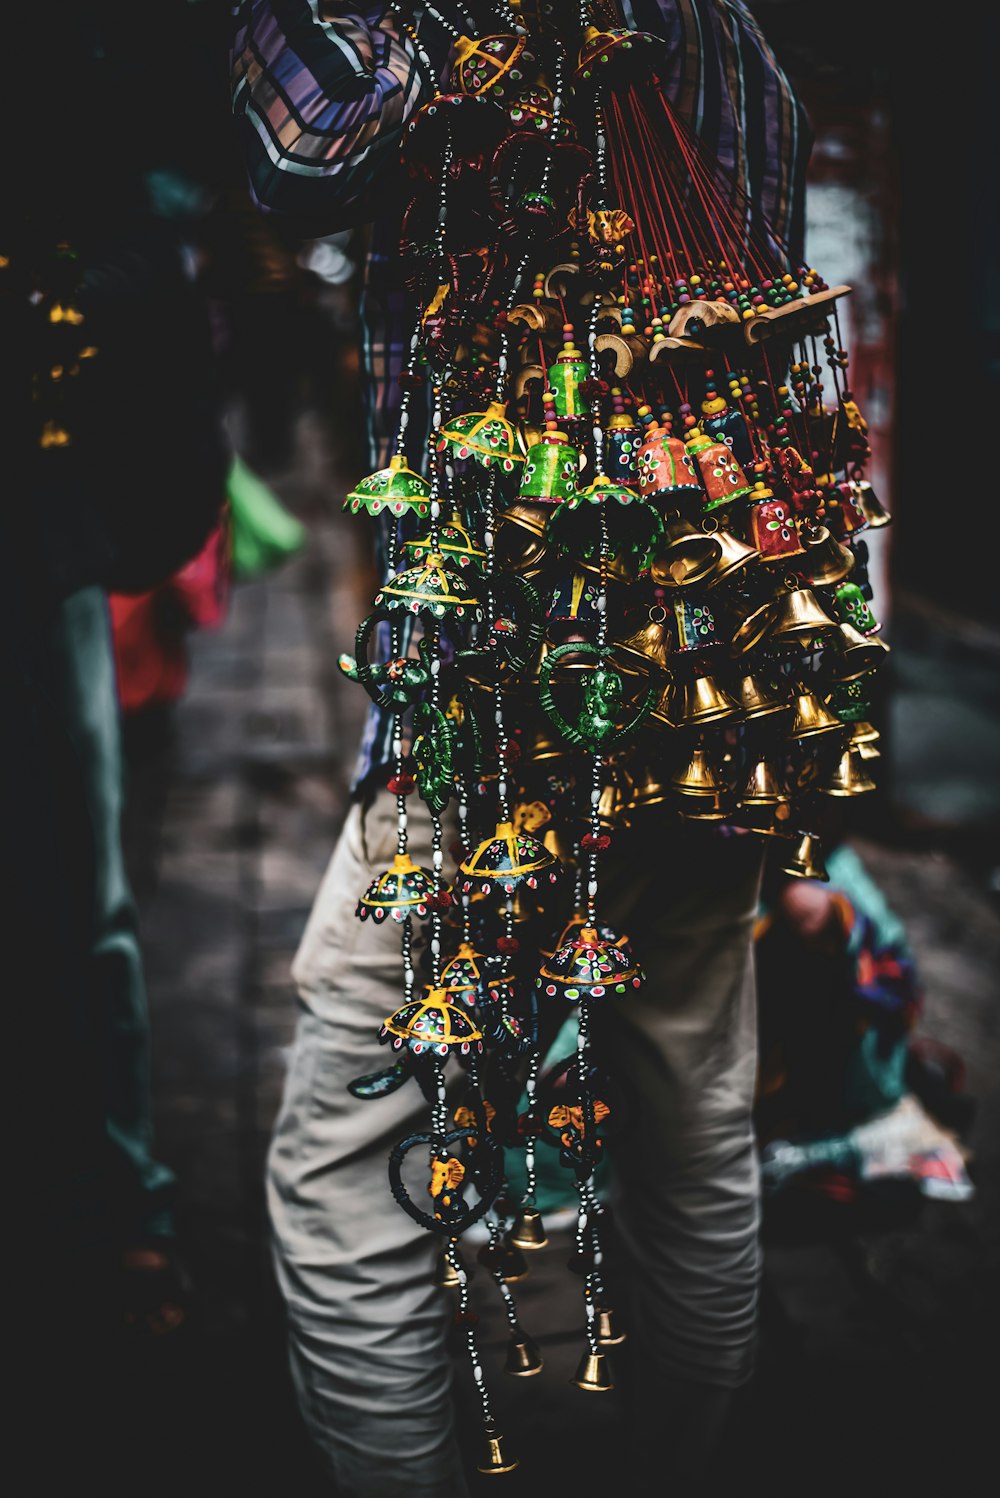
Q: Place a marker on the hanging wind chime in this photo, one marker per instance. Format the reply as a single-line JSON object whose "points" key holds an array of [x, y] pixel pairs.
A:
{"points": [[626, 578]]}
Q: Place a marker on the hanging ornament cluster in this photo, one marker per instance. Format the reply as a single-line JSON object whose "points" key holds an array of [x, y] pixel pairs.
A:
{"points": [[629, 585]]}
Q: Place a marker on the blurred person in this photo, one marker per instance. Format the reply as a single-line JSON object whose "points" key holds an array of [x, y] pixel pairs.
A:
{"points": [[112, 426], [322, 94]]}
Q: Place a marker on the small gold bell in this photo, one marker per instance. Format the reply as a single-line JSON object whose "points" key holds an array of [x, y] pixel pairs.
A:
{"points": [[826, 562], [811, 717], [523, 1357], [698, 777], [702, 700], [758, 698], [528, 1231], [494, 1460], [763, 787], [805, 861], [870, 505], [848, 778], [612, 809], [856, 654], [662, 712], [768, 821], [513, 1264], [752, 628], [688, 556], [445, 1275], [734, 554], [799, 617], [648, 648], [608, 1334], [547, 745], [864, 733], [592, 1373], [649, 790]]}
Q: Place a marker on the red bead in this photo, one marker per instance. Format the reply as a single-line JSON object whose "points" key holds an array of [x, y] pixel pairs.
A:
{"points": [[401, 785], [589, 842], [508, 945]]}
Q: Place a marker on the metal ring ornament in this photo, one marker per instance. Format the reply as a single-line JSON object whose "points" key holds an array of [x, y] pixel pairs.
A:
{"points": [[488, 1181], [435, 751], [602, 691]]}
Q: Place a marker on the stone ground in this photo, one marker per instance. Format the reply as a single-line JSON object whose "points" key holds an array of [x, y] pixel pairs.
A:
{"points": [[878, 1334]]}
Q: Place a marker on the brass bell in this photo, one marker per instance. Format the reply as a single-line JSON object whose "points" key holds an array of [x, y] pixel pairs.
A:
{"points": [[856, 654], [592, 1373], [869, 751], [555, 841], [811, 717], [848, 778], [513, 1264], [613, 807], [523, 1358], [869, 503], [758, 698], [734, 554], [445, 1274], [798, 618], [805, 861], [702, 700], [494, 1459], [528, 1231], [752, 628], [686, 556], [648, 790], [768, 821], [547, 745], [608, 1334], [763, 787], [520, 536], [702, 792], [661, 714], [648, 648], [826, 561], [864, 733]]}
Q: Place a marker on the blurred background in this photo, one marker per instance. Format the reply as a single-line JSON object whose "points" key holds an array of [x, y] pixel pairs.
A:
{"points": [[876, 1331]]}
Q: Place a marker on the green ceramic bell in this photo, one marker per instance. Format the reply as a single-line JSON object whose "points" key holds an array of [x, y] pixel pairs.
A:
{"points": [[486, 436], [565, 377], [396, 488], [453, 542], [550, 470], [429, 587]]}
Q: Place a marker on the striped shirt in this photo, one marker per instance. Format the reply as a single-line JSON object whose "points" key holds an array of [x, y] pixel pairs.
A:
{"points": [[323, 90]]}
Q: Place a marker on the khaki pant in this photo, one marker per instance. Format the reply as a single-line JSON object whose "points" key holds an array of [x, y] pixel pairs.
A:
{"points": [[366, 1323]]}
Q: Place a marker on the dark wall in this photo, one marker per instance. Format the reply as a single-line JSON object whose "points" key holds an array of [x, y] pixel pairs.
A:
{"points": [[926, 69]]}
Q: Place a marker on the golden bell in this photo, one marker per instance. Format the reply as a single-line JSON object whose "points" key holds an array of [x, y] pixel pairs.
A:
{"points": [[698, 777], [547, 745], [826, 561], [848, 778], [734, 554], [752, 628], [662, 713], [811, 717], [523, 1357], [494, 1459], [648, 648], [856, 654], [799, 617], [648, 790], [869, 504], [686, 556], [869, 751], [557, 842], [864, 733], [702, 700], [768, 821], [758, 698], [592, 1373], [763, 787], [445, 1275], [805, 861], [608, 1334], [528, 1231], [613, 807], [513, 1264]]}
